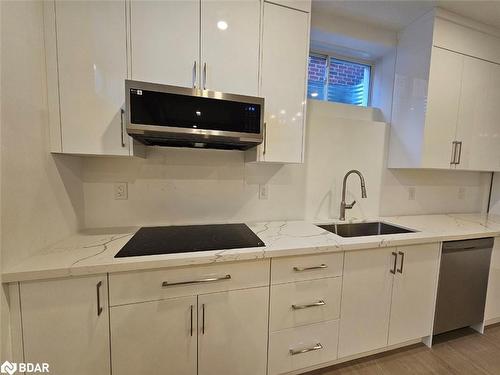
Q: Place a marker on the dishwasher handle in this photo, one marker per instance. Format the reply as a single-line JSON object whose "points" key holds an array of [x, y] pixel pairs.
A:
{"points": [[479, 243]]}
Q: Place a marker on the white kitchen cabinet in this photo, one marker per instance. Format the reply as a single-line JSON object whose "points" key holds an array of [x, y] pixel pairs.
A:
{"points": [[478, 127], [414, 293], [65, 323], [443, 102], [304, 302], [87, 59], [366, 300], [301, 347], [445, 112], [157, 337], [285, 49], [382, 288], [230, 46], [164, 40], [492, 310], [232, 332], [208, 44]]}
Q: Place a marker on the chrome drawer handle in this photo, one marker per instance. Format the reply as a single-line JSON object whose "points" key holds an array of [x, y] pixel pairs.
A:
{"points": [[300, 269], [314, 304], [318, 346], [207, 280]]}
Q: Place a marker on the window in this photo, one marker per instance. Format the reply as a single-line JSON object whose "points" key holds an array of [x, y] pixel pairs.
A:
{"points": [[338, 80]]}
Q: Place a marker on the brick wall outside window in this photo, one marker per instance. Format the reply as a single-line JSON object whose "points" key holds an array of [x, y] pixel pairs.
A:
{"points": [[337, 80], [317, 69], [345, 73]]}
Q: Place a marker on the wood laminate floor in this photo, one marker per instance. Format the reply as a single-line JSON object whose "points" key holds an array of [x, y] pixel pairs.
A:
{"points": [[463, 352]]}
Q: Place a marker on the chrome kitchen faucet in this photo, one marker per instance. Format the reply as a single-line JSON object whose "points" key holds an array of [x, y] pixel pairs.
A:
{"points": [[343, 205]]}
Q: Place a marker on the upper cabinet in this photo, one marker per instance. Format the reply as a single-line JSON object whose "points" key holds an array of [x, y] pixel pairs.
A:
{"points": [[444, 111], [213, 45], [246, 47], [86, 69], [285, 48], [164, 41], [230, 46]]}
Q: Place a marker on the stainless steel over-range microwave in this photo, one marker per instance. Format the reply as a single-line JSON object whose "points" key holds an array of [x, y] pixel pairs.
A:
{"points": [[164, 115]]}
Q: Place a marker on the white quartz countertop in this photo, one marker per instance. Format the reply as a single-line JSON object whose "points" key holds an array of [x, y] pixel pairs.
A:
{"points": [[93, 251]]}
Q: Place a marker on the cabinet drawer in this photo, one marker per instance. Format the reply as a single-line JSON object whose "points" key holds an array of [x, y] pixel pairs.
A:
{"points": [[139, 286], [307, 267], [301, 347], [305, 302]]}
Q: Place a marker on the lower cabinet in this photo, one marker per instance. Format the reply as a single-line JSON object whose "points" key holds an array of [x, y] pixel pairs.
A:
{"points": [[218, 333], [232, 332], [226, 318], [301, 347], [388, 287], [65, 324], [492, 310], [157, 337], [414, 293]]}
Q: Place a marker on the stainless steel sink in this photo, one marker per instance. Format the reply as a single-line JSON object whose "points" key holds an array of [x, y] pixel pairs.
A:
{"points": [[364, 229]]}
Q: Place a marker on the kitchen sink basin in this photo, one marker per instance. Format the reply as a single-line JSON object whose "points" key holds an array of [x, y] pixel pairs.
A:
{"points": [[364, 229]]}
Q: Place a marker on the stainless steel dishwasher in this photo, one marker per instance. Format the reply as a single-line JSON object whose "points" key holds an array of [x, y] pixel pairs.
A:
{"points": [[463, 280]]}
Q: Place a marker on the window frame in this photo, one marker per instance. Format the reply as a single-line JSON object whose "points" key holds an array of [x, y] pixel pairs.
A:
{"points": [[329, 56]]}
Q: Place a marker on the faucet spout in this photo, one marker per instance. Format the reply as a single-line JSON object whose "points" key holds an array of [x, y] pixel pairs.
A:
{"points": [[343, 205]]}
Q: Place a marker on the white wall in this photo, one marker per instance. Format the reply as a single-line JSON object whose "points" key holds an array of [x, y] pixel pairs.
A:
{"points": [[174, 186], [41, 194], [349, 37]]}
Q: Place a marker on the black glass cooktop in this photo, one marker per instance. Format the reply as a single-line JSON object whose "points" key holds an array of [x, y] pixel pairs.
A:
{"points": [[188, 238]]}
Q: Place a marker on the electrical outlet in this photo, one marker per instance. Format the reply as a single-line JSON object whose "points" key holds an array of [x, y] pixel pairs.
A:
{"points": [[263, 192], [411, 193], [461, 193], [121, 191]]}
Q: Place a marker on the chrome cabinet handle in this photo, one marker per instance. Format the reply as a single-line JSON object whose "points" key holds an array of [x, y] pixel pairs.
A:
{"points": [[203, 319], [459, 145], [453, 152], [194, 74], [393, 270], [204, 76], [318, 346], [207, 280], [191, 324], [300, 269], [122, 112], [99, 307], [400, 269], [305, 306], [265, 139]]}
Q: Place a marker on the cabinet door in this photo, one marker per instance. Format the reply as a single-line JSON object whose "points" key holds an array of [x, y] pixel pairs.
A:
{"points": [[414, 293], [230, 37], [233, 332], [366, 300], [492, 310], [285, 44], [164, 40], [92, 63], [478, 126], [442, 108], [156, 337], [61, 324]]}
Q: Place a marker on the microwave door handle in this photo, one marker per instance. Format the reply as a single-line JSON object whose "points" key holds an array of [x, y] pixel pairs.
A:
{"points": [[122, 113]]}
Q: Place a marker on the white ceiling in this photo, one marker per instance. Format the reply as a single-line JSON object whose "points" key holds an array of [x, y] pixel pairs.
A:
{"points": [[395, 15]]}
